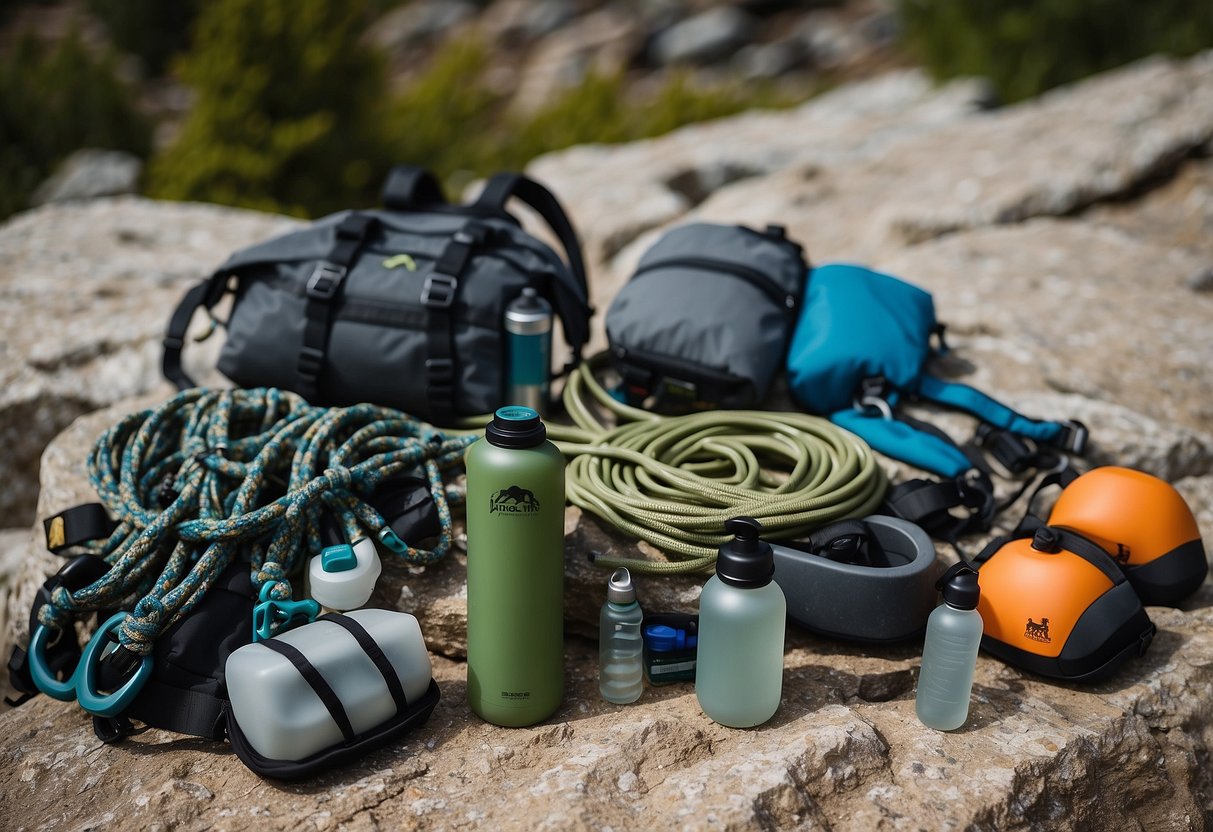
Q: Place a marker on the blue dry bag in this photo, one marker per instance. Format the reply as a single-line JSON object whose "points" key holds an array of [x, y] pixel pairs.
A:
{"points": [[861, 347]]}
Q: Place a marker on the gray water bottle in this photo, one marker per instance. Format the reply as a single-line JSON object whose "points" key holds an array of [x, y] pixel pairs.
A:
{"points": [[742, 613], [620, 646], [949, 654], [528, 322]]}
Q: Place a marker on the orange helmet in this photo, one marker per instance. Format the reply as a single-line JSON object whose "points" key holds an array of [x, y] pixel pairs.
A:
{"points": [[1056, 605], [1144, 524]]}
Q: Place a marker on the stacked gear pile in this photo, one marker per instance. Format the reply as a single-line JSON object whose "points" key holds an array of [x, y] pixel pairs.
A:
{"points": [[217, 497], [210, 503]]}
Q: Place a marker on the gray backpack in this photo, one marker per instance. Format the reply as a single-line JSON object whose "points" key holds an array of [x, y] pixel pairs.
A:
{"points": [[706, 318], [402, 307]]}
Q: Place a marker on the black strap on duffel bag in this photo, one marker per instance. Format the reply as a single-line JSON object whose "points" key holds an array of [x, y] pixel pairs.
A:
{"points": [[402, 306]]}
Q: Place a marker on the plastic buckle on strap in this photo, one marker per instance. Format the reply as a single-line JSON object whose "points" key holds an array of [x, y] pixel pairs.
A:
{"points": [[439, 291], [311, 361], [1074, 436], [1011, 451], [271, 617], [324, 281]]}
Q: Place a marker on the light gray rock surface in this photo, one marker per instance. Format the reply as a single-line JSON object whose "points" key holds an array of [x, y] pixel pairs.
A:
{"points": [[85, 294], [1060, 239], [90, 173]]}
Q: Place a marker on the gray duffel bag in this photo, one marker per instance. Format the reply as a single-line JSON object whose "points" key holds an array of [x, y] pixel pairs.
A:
{"points": [[402, 307], [706, 318]]}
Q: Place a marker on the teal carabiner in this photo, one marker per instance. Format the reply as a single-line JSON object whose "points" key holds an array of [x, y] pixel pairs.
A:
{"points": [[269, 614], [116, 701], [39, 667]]}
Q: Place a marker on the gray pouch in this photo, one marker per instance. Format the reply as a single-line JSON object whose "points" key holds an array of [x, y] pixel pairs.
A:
{"points": [[705, 320]]}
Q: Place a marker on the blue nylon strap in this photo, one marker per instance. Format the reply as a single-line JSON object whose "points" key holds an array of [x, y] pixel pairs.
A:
{"points": [[901, 441], [992, 412]]}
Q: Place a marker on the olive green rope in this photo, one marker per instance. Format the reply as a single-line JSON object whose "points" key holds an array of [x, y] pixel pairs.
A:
{"points": [[674, 481]]}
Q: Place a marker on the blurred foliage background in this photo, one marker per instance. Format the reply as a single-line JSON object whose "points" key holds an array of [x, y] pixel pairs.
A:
{"points": [[299, 107]]}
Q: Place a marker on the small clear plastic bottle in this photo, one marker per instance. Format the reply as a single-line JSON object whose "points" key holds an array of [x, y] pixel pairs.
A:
{"points": [[620, 646], [949, 654]]}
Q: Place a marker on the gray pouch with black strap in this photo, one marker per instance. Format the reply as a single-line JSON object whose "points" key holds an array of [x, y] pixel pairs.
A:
{"points": [[706, 318]]}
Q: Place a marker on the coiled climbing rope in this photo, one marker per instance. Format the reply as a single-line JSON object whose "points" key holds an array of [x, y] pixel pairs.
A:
{"points": [[212, 476], [674, 481]]}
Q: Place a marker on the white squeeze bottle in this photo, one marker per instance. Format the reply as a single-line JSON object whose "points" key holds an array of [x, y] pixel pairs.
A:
{"points": [[620, 647], [949, 654]]}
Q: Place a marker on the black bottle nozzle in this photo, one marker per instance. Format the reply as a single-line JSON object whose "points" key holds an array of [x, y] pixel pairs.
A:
{"points": [[745, 561], [959, 587]]}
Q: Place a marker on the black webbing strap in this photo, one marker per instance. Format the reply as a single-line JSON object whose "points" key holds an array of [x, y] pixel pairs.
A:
{"points": [[207, 293], [572, 300], [408, 187], [76, 525], [928, 503], [317, 682], [375, 653], [172, 708], [322, 288], [438, 295]]}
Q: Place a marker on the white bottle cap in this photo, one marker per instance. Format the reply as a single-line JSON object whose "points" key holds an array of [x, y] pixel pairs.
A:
{"points": [[338, 583]]}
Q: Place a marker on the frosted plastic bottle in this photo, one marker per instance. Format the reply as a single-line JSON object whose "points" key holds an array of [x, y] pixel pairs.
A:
{"points": [[949, 654], [742, 613], [515, 528], [620, 647]]}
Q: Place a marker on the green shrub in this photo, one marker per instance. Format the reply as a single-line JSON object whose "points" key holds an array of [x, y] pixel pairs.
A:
{"points": [[288, 109], [53, 100], [154, 30], [449, 120], [1028, 46], [293, 113]]}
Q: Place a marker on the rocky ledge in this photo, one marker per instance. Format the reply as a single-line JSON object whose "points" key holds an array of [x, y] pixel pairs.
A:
{"points": [[1068, 244]]}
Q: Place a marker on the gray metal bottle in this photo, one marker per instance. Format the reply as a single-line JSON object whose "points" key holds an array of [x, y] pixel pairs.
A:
{"points": [[949, 654], [528, 322], [515, 526], [620, 646], [742, 614]]}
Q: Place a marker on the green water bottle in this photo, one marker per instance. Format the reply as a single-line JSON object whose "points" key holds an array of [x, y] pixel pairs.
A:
{"points": [[515, 527]]}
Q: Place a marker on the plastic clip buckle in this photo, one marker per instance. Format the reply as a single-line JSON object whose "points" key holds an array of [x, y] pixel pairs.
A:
{"points": [[324, 281], [1010, 450], [439, 291], [1074, 436], [271, 617]]}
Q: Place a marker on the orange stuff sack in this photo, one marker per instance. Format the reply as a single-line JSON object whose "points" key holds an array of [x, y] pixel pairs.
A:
{"points": [[1056, 605], [1144, 524]]}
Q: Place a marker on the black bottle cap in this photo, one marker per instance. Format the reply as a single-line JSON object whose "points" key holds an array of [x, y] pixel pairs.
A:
{"points": [[515, 427], [961, 590], [746, 561]]}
